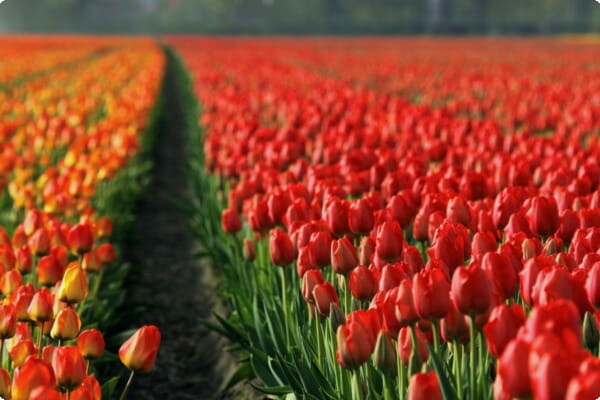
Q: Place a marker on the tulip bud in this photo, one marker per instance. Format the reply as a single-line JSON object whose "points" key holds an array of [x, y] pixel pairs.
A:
{"points": [[66, 325], [249, 250], [281, 248], [106, 253], [384, 356], [4, 384], [32, 374], [39, 242], [20, 351], [80, 238], [74, 286], [40, 308], [424, 386], [390, 240], [69, 367], [343, 256], [138, 353], [10, 281], [591, 336], [324, 295], [336, 316], [91, 344], [8, 321], [230, 221]]}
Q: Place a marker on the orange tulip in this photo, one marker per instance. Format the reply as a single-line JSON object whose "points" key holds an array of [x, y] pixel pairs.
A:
{"points": [[8, 321], [40, 308], [31, 375], [69, 367], [45, 393], [66, 325], [39, 242], [138, 353], [21, 351], [10, 281], [80, 238], [91, 344], [4, 384]]}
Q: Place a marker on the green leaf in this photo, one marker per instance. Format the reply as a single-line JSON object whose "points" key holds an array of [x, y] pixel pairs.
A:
{"points": [[275, 390], [108, 388], [243, 373], [447, 389]]}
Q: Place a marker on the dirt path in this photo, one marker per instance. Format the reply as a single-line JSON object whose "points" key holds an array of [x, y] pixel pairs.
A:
{"points": [[191, 362]]}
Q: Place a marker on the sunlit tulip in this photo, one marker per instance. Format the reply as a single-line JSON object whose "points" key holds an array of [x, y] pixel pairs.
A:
{"points": [[91, 344], [138, 353], [74, 286]]}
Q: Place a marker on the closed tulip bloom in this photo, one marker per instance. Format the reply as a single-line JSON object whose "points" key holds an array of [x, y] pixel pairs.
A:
{"points": [[324, 295], [41, 307], [421, 227], [49, 271], [390, 241], [10, 281], [47, 393], [472, 290], [310, 279], [8, 321], [69, 367], [4, 384], [543, 215], [568, 223], [21, 351], [363, 283], [21, 299], [357, 337], [92, 386], [431, 294], [281, 248], [458, 211], [39, 242], [366, 250], [80, 238], [337, 217], [91, 262], [74, 286], [517, 223], [592, 285], [230, 221], [502, 273], [343, 256], [139, 352], [483, 243], [249, 250], [320, 245], [454, 326], [360, 217], [405, 345], [66, 325], [31, 375], [106, 253], [384, 356], [23, 260], [424, 386], [33, 221], [7, 257], [91, 344], [584, 387], [405, 307], [502, 326], [513, 369]]}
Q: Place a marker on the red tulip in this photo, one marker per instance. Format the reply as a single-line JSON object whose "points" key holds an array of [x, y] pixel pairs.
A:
{"points": [[363, 283], [360, 217], [39, 242], [543, 215], [390, 240], [455, 326], [343, 256], [249, 250], [424, 386], [91, 344], [472, 290], [513, 369], [431, 294], [592, 285], [405, 307], [324, 295], [31, 375], [230, 221], [357, 337], [584, 387], [405, 345], [80, 238], [138, 353], [281, 248], [337, 217], [320, 245], [502, 326], [106, 253], [69, 367], [501, 272]]}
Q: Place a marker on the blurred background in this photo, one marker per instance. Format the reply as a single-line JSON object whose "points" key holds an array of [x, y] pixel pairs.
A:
{"points": [[524, 17]]}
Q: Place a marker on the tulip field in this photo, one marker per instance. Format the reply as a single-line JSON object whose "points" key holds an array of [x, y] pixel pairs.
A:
{"points": [[387, 218]]}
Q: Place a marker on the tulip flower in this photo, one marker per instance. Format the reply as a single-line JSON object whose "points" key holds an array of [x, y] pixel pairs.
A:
{"points": [[230, 221], [281, 248], [405, 346], [343, 256], [424, 386], [592, 285], [4, 384], [39, 242], [66, 325], [360, 217], [40, 309], [8, 321], [49, 271], [384, 356], [513, 369], [366, 250], [91, 344], [363, 283], [74, 286], [502, 326], [249, 250], [106, 253], [324, 295], [69, 368], [32, 374], [138, 353], [80, 238], [543, 216], [431, 294], [390, 241], [405, 308], [356, 339], [21, 351], [582, 387]]}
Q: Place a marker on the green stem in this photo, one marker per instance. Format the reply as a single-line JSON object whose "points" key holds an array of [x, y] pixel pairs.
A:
{"points": [[458, 349], [40, 335], [285, 305], [436, 337], [472, 366], [97, 284], [127, 386], [402, 379], [415, 349]]}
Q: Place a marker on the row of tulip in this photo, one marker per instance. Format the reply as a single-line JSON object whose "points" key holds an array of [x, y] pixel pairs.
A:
{"points": [[72, 150], [374, 248]]}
